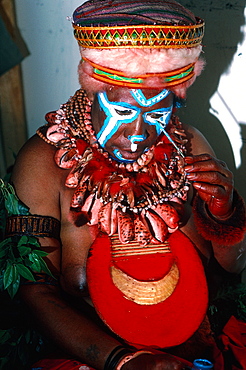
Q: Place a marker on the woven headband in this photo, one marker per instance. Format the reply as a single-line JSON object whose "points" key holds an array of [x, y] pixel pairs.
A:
{"points": [[139, 36], [107, 24], [115, 77]]}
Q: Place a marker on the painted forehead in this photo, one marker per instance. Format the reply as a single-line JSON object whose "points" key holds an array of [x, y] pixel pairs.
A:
{"points": [[145, 98], [139, 96]]}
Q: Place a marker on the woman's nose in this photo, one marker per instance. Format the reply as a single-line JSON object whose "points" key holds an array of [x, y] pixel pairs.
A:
{"points": [[136, 132], [135, 139], [136, 128]]}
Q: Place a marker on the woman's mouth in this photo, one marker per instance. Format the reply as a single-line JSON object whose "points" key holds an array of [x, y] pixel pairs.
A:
{"points": [[126, 156]]}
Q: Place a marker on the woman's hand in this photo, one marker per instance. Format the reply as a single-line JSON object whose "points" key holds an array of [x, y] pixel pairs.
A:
{"points": [[160, 361], [213, 182]]}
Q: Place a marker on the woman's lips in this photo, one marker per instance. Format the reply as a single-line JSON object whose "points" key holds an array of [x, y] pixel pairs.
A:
{"points": [[128, 154]]}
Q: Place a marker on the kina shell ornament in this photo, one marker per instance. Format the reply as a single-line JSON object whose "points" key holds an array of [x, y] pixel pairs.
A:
{"points": [[138, 200]]}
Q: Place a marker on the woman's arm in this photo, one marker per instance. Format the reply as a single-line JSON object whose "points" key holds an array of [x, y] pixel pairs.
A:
{"points": [[39, 184], [71, 330], [219, 211]]}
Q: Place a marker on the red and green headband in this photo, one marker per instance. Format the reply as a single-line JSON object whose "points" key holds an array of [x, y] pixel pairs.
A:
{"points": [[116, 77]]}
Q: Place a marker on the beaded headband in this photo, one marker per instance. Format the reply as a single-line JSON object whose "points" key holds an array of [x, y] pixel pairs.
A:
{"points": [[139, 36], [116, 77]]}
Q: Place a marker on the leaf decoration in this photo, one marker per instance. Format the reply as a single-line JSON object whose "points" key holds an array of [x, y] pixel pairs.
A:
{"points": [[13, 205], [25, 272], [20, 256]]}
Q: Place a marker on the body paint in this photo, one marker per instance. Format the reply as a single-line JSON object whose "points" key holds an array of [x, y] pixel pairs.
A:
{"points": [[118, 113], [141, 99], [135, 138], [113, 117]]}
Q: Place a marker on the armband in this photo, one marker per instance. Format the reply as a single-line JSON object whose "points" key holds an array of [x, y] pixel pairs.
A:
{"points": [[115, 357], [225, 232], [33, 225]]}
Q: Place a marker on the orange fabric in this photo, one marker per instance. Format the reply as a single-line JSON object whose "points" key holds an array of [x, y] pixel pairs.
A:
{"points": [[233, 339]]}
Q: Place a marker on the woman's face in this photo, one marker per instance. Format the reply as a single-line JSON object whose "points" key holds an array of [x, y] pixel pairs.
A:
{"points": [[128, 122]]}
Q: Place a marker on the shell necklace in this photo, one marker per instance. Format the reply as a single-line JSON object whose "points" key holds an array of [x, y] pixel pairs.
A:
{"points": [[136, 199]]}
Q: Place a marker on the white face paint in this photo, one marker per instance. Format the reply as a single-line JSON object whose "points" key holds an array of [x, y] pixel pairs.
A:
{"points": [[134, 139], [118, 113], [141, 99]]}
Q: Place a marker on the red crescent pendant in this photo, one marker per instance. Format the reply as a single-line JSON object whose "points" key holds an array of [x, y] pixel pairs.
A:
{"points": [[150, 296]]}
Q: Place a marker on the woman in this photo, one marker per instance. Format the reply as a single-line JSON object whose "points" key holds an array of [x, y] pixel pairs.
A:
{"points": [[136, 204]]}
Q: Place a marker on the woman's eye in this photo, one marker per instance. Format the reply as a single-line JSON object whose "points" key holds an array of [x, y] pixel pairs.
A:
{"points": [[125, 112], [155, 115]]}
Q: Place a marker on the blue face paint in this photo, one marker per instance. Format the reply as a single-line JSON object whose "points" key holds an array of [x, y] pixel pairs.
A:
{"points": [[134, 139], [118, 156], [118, 113], [158, 118], [141, 99]]}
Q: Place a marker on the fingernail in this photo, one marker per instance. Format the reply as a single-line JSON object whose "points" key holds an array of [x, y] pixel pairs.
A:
{"points": [[191, 176], [188, 168], [189, 159]]}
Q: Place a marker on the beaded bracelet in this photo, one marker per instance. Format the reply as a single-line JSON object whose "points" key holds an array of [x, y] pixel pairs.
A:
{"points": [[224, 232], [115, 356]]}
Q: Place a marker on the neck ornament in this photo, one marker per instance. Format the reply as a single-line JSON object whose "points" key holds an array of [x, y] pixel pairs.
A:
{"points": [[113, 194]]}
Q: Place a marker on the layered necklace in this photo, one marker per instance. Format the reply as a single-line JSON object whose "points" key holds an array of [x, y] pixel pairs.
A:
{"points": [[119, 197]]}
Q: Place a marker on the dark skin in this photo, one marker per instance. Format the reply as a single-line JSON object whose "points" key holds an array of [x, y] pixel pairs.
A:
{"points": [[40, 185]]}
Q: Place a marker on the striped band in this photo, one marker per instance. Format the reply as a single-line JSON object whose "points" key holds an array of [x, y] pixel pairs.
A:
{"points": [[128, 12], [33, 225], [142, 36], [118, 78]]}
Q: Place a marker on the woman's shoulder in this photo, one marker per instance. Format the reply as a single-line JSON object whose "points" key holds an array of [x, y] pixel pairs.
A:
{"points": [[36, 156], [34, 146], [197, 143], [36, 177]]}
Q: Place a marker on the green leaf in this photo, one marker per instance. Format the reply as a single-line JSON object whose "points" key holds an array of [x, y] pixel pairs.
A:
{"points": [[35, 266], [40, 253], [45, 268], [33, 241], [11, 257], [9, 276], [23, 240], [13, 288], [28, 336], [24, 250], [3, 250], [25, 272], [23, 209], [27, 262], [4, 336], [1, 283], [4, 361], [6, 243], [20, 256], [33, 257], [12, 204]]}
